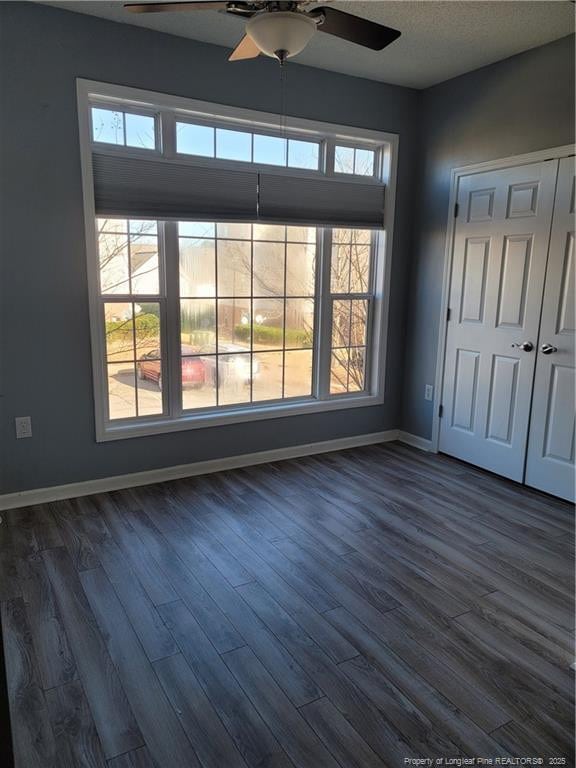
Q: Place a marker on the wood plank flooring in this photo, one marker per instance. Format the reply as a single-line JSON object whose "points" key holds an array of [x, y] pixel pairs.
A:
{"points": [[344, 611]]}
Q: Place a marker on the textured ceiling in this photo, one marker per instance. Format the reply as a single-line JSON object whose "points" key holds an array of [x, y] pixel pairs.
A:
{"points": [[439, 40]]}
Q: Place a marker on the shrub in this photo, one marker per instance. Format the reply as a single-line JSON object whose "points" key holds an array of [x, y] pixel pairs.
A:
{"points": [[147, 326], [270, 334]]}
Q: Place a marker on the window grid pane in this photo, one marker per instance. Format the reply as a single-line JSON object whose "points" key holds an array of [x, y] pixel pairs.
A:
{"points": [[128, 256], [124, 129], [350, 282], [237, 145], [194, 139], [303, 154], [139, 131], [129, 259], [133, 359], [253, 341], [233, 145], [270, 150], [108, 126], [144, 263], [364, 162], [355, 161]]}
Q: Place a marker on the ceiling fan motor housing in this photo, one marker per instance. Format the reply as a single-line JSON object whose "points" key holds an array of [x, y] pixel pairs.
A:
{"points": [[281, 34]]}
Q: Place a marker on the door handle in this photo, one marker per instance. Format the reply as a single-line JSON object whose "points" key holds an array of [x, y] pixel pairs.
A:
{"points": [[548, 349], [525, 346]]}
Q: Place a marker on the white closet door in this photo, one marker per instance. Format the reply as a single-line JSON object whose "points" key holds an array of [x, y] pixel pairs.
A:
{"points": [[499, 262], [550, 464]]}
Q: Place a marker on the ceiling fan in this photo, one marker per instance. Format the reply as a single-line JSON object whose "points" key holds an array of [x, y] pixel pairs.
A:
{"points": [[282, 29]]}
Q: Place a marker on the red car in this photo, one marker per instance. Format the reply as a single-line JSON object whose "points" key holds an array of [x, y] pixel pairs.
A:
{"points": [[193, 369]]}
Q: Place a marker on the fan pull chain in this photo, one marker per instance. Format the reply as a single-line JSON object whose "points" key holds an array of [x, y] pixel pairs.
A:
{"points": [[283, 83]]}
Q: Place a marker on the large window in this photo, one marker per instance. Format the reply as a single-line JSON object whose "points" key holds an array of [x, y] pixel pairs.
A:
{"points": [[246, 312], [236, 271], [247, 301]]}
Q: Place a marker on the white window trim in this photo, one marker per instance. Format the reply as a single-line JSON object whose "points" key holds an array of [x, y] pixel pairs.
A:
{"points": [[330, 133]]}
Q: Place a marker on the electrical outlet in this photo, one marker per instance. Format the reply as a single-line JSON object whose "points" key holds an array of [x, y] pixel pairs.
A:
{"points": [[23, 427], [428, 392]]}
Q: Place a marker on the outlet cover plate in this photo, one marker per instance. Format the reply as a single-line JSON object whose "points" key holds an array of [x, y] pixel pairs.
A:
{"points": [[23, 427]]}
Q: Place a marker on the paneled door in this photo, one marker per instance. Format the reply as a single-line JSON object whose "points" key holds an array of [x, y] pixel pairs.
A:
{"points": [[550, 463], [498, 271]]}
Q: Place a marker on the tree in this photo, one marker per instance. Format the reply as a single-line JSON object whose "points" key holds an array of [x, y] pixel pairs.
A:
{"points": [[136, 327], [122, 253], [350, 277], [350, 274]]}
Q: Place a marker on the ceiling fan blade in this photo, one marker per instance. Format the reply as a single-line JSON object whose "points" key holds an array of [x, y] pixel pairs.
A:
{"points": [[354, 29], [246, 49], [199, 5]]}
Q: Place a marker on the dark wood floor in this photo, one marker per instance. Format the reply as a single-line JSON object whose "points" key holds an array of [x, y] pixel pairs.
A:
{"points": [[349, 610]]}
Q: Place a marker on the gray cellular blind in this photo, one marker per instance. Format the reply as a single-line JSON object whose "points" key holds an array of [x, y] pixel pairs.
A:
{"points": [[320, 201], [150, 188], [127, 186]]}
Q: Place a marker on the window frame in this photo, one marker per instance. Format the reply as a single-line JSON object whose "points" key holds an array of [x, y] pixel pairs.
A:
{"points": [[352, 174], [252, 405], [269, 131], [167, 110], [369, 295], [127, 109], [161, 298]]}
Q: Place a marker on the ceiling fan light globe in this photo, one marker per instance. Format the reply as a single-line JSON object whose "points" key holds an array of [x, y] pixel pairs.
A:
{"points": [[281, 31]]}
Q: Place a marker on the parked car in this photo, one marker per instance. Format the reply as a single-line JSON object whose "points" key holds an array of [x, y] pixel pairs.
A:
{"points": [[193, 369], [235, 366]]}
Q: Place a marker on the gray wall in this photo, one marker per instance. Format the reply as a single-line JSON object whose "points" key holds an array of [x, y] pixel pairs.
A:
{"points": [[519, 105], [45, 367], [522, 104]]}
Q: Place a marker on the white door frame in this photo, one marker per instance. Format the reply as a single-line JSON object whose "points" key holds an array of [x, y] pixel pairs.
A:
{"points": [[466, 170]]}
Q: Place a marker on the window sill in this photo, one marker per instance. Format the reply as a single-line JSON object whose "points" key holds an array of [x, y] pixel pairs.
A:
{"points": [[124, 430]]}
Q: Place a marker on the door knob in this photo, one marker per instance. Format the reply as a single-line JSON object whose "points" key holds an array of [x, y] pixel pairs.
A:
{"points": [[525, 346], [547, 349]]}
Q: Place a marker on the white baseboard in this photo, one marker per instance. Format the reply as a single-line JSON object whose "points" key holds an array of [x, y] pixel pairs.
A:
{"points": [[415, 441], [72, 490]]}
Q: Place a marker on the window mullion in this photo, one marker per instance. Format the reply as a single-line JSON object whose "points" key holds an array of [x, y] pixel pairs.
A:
{"points": [[167, 122], [329, 156], [324, 315], [172, 358]]}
